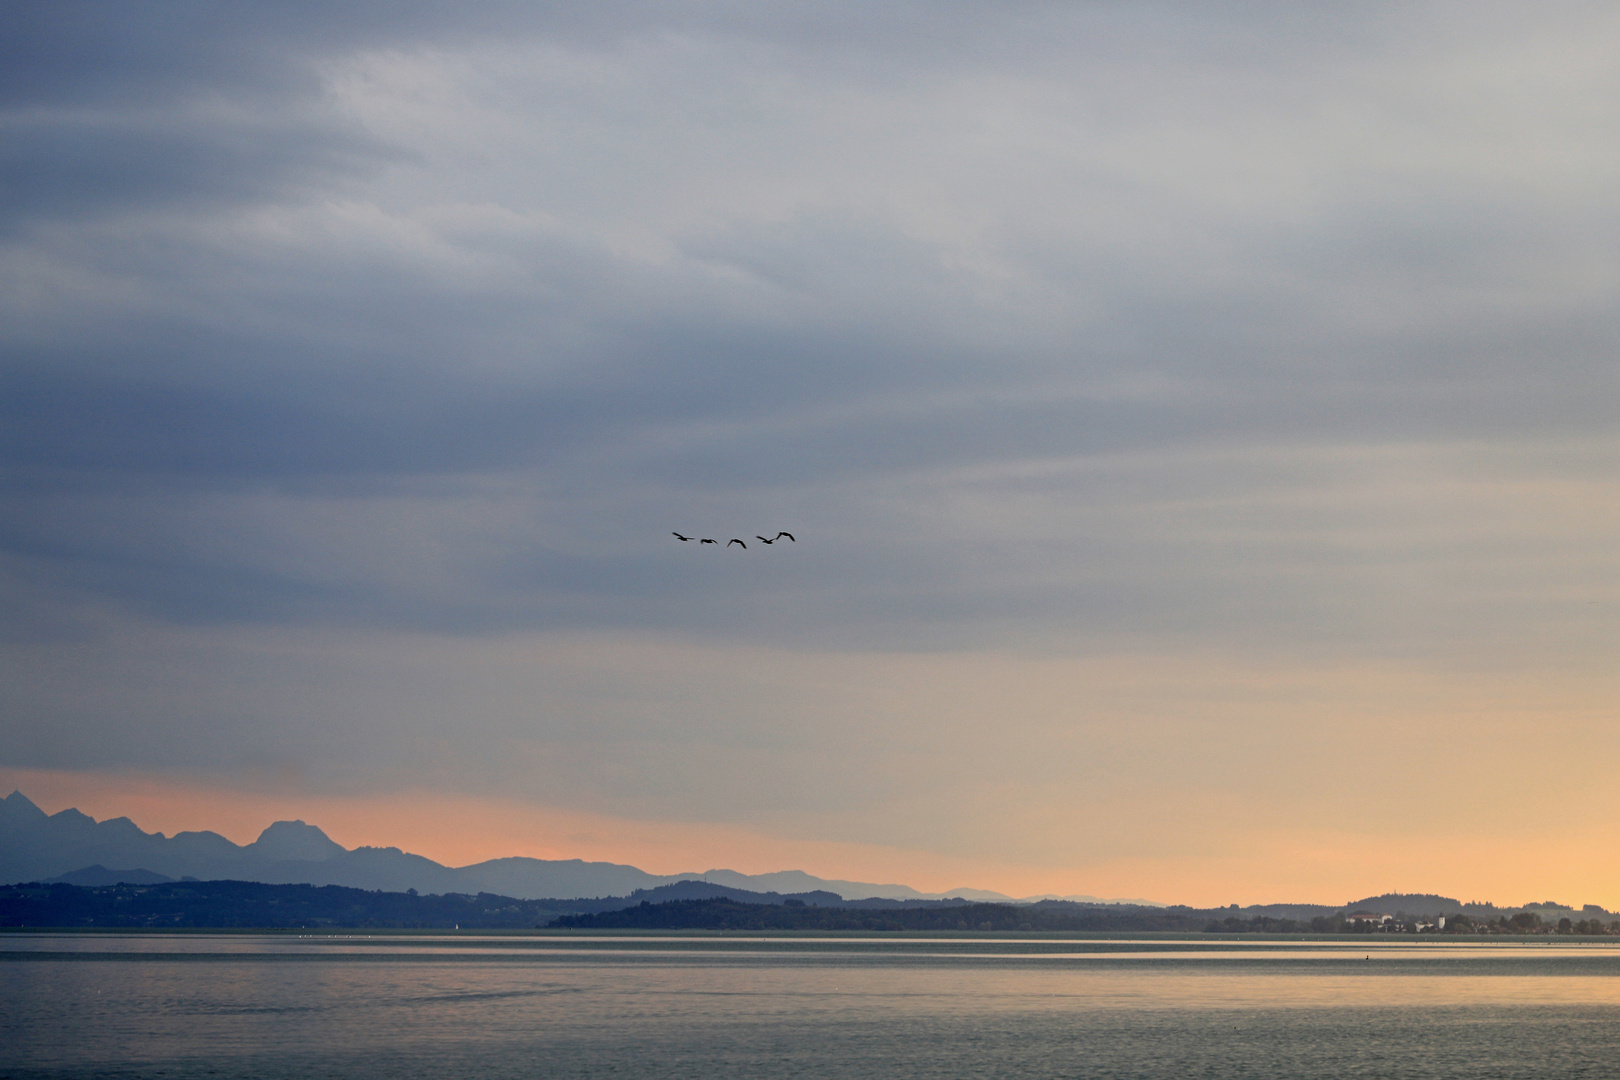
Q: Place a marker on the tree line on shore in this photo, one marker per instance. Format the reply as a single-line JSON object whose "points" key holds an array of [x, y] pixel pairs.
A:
{"points": [[727, 914], [723, 914], [246, 904]]}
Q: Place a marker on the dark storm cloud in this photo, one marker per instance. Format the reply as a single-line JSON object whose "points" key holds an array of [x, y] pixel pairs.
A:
{"points": [[111, 107], [104, 165], [95, 95], [81, 52], [75, 52], [257, 288]]}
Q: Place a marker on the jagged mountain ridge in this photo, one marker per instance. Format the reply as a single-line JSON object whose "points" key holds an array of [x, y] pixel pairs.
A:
{"points": [[73, 847], [35, 846]]}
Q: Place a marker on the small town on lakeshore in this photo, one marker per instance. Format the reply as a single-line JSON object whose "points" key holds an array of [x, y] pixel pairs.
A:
{"points": [[1548, 917]]}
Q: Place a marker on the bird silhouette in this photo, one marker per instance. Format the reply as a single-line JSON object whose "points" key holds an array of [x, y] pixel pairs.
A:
{"points": [[736, 540]]}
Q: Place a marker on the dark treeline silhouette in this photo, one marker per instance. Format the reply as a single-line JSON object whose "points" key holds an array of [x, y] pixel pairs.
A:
{"points": [[241, 904], [252, 904], [729, 914], [725, 914], [686, 905]]}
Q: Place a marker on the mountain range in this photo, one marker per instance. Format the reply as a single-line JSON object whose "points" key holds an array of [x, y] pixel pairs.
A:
{"points": [[73, 847]]}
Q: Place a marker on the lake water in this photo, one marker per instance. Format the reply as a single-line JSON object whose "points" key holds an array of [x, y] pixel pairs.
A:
{"points": [[469, 1005]]}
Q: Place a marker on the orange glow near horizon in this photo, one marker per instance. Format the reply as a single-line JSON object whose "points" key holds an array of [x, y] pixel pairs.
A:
{"points": [[1321, 866], [457, 830]]}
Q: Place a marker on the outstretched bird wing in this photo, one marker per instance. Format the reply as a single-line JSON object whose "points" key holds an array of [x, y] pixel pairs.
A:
{"points": [[678, 536], [734, 540], [786, 534], [706, 540], [762, 540]]}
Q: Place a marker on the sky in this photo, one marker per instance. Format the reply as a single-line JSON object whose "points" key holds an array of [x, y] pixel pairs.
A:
{"points": [[1199, 424]]}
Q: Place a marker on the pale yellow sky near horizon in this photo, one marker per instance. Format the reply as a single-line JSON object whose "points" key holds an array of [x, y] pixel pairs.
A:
{"points": [[1196, 778], [1552, 850]]}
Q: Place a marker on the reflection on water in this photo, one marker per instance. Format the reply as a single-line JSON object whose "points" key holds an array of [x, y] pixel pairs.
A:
{"points": [[675, 1006]]}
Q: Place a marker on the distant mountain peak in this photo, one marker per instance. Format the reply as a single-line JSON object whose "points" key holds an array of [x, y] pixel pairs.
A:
{"points": [[75, 815], [71, 845], [19, 805], [100, 875], [295, 841]]}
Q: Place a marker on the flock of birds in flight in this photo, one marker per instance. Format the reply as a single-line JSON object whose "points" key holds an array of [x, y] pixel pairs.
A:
{"points": [[734, 540]]}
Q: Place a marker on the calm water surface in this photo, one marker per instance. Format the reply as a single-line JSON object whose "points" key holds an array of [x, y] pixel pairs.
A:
{"points": [[816, 1007]]}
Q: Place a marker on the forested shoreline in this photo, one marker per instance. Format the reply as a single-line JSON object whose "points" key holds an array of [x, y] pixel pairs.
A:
{"points": [[722, 914], [256, 905]]}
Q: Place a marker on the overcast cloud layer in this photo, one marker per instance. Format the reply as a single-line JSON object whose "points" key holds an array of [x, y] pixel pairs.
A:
{"points": [[357, 360]]}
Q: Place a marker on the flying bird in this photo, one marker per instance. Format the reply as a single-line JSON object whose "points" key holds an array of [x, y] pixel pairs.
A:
{"points": [[736, 540]]}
